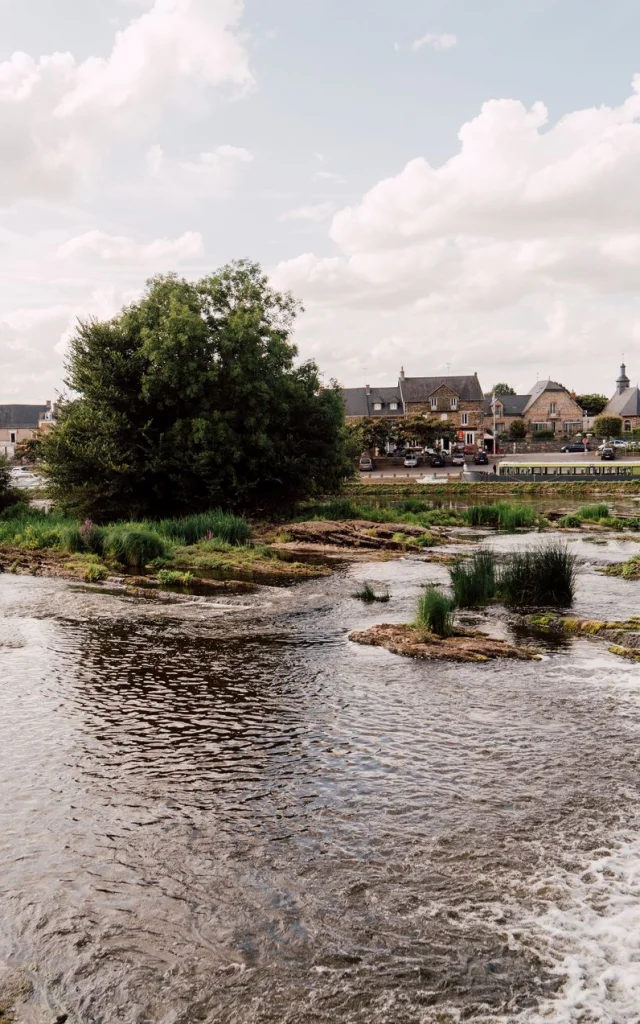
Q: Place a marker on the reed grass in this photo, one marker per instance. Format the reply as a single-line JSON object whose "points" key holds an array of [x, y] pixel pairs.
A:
{"points": [[204, 526], [502, 514], [369, 595], [435, 613], [133, 545], [474, 581], [600, 511], [538, 578]]}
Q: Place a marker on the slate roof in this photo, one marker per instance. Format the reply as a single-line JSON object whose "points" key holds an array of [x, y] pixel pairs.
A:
{"points": [[625, 404], [358, 403], [13, 417], [420, 389], [512, 405]]}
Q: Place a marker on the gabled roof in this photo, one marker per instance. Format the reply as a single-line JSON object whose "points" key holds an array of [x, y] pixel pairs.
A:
{"points": [[358, 403], [539, 388], [512, 405], [24, 417], [625, 404], [420, 389]]}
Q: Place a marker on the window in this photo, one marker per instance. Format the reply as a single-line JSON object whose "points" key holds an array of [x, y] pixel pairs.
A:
{"points": [[468, 437], [444, 417], [464, 419], [454, 404], [377, 406], [552, 408], [434, 404], [540, 426], [393, 406], [627, 425], [12, 437]]}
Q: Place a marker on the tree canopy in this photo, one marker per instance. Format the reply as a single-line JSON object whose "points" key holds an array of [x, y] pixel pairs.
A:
{"points": [[501, 389], [8, 496], [608, 426], [369, 433], [592, 404], [190, 399]]}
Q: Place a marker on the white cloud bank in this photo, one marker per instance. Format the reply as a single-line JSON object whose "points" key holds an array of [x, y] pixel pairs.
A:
{"points": [[477, 261], [57, 115], [435, 40], [163, 252]]}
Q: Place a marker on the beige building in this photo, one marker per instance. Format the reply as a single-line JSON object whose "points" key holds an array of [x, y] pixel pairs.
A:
{"points": [[625, 403], [548, 407], [21, 422]]}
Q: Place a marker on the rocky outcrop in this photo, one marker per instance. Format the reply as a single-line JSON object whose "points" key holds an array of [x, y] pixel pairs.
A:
{"points": [[462, 646]]}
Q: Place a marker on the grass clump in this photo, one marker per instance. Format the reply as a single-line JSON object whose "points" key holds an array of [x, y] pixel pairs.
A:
{"points": [[133, 545], [95, 573], [503, 514], [600, 511], [571, 521], [369, 595], [205, 526], [435, 613], [174, 578], [540, 577], [474, 581]]}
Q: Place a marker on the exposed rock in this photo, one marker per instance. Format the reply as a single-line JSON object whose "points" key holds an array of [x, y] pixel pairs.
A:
{"points": [[624, 636], [361, 533], [463, 646]]}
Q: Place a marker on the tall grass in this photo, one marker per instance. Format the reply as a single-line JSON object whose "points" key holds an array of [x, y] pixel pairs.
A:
{"points": [[594, 511], [539, 577], [133, 545], [474, 581], [503, 514], [205, 525], [369, 595], [435, 613]]}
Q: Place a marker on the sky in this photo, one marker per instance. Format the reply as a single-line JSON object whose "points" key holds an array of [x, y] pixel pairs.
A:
{"points": [[446, 186]]}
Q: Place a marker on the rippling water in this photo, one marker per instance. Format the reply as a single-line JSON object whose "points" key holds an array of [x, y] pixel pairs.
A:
{"points": [[235, 815]]}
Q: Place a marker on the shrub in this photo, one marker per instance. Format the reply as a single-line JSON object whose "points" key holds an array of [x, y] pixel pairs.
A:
{"points": [[206, 525], [132, 545], [172, 578], [435, 612], [474, 580], [21, 510], [517, 430], [539, 577], [571, 521], [95, 573], [594, 511], [369, 595]]}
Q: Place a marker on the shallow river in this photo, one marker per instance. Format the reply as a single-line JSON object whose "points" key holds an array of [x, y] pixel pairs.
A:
{"points": [[236, 815]]}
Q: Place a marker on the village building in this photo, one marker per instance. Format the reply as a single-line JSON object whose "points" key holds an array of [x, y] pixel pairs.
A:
{"points": [[547, 408], [456, 401], [21, 422], [625, 403]]}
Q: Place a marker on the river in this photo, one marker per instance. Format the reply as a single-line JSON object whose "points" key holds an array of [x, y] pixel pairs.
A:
{"points": [[233, 814]]}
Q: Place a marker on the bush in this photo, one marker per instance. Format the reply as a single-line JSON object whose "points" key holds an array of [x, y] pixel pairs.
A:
{"points": [[133, 546], [435, 613], [517, 430], [608, 426], [369, 595], [172, 578], [594, 511], [205, 526], [20, 510], [95, 573], [571, 521], [474, 580], [539, 577]]}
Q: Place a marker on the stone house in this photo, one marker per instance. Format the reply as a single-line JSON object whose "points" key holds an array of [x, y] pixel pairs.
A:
{"points": [[458, 400], [21, 422], [548, 407], [625, 403]]}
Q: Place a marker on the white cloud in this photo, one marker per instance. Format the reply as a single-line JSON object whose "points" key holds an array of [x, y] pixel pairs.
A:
{"points": [[212, 175], [314, 212], [329, 176], [57, 114], [436, 40], [162, 252], [467, 261]]}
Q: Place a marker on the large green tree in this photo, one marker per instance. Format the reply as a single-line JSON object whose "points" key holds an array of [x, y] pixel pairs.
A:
{"points": [[501, 389], [608, 426], [592, 404], [190, 399], [7, 494]]}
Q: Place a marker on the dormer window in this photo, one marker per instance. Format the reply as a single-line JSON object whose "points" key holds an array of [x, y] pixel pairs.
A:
{"points": [[377, 406], [393, 406], [434, 404], [454, 404]]}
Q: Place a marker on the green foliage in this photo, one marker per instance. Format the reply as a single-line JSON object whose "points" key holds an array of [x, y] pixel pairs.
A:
{"points": [[502, 514], [191, 399], [592, 404], [540, 577], [608, 426], [172, 578], [474, 580], [502, 389], [206, 525], [543, 435], [435, 613], [8, 496], [571, 521], [369, 595], [600, 511], [95, 573], [20, 510], [517, 430], [133, 546]]}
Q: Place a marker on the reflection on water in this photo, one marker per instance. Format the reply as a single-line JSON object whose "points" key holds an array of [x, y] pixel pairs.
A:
{"points": [[246, 818]]}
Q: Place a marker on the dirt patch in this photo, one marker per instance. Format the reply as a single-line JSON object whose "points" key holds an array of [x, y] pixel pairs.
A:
{"points": [[361, 533], [463, 646]]}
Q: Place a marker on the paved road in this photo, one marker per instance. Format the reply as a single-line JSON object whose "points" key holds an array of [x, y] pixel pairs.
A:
{"points": [[455, 472]]}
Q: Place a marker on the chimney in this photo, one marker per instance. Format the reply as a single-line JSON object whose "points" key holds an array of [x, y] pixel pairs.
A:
{"points": [[367, 390], [402, 373]]}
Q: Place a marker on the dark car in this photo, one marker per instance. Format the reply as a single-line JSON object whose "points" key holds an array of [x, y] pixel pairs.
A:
{"points": [[608, 454], [437, 460], [577, 446], [481, 459]]}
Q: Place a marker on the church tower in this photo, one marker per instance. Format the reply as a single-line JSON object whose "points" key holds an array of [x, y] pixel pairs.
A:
{"points": [[622, 381]]}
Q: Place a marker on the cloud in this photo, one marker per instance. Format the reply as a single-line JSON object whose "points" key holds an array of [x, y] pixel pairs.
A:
{"points": [[162, 252], [436, 40], [211, 175], [57, 115], [467, 261], [329, 176], [316, 213]]}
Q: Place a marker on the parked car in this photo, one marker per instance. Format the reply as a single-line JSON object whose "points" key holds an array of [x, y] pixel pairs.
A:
{"points": [[437, 460], [470, 449], [22, 476], [577, 446], [366, 464], [458, 459], [608, 453], [612, 444], [481, 459], [410, 461]]}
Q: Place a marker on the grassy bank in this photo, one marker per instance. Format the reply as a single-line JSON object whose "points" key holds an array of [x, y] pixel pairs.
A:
{"points": [[471, 493]]}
